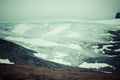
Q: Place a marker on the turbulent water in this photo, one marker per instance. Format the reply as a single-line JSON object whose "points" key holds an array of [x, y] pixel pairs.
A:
{"points": [[76, 44]]}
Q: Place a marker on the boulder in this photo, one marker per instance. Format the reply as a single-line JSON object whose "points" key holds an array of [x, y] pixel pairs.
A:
{"points": [[117, 15]]}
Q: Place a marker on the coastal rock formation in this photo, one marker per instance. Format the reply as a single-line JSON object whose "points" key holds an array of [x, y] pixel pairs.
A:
{"points": [[117, 15]]}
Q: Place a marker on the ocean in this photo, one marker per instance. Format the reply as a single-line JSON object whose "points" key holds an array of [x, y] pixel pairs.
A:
{"points": [[78, 44]]}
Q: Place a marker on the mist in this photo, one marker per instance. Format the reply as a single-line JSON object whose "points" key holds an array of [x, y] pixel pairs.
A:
{"points": [[32, 10]]}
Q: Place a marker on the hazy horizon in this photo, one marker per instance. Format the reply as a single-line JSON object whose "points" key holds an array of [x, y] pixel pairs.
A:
{"points": [[35, 10]]}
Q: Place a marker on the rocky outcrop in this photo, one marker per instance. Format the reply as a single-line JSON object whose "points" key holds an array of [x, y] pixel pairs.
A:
{"points": [[117, 15]]}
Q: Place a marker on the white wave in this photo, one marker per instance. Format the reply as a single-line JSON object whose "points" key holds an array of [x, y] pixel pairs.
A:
{"points": [[42, 42], [72, 46], [6, 61], [36, 42], [117, 50], [95, 49], [105, 72], [41, 55], [21, 28], [59, 55], [94, 65], [58, 30], [61, 61], [58, 58], [106, 47]]}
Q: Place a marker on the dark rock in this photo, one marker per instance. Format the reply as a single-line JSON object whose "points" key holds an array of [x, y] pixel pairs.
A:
{"points": [[117, 15]]}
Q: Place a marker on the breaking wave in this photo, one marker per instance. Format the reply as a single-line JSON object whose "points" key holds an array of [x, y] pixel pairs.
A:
{"points": [[69, 43]]}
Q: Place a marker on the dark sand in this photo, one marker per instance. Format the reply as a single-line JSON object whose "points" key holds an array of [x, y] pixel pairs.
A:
{"points": [[25, 72]]}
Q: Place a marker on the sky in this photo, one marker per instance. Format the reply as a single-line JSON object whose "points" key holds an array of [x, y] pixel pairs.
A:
{"points": [[30, 10]]}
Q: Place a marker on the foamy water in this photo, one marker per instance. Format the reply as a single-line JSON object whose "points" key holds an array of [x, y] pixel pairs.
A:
{"points": [[5, 61], [69, 43]]}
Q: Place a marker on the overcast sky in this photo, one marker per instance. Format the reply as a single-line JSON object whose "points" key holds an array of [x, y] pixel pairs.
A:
{"points": [[58, 9]]}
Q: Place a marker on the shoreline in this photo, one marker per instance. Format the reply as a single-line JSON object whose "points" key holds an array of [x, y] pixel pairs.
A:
{"points": [[25, 72]]}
